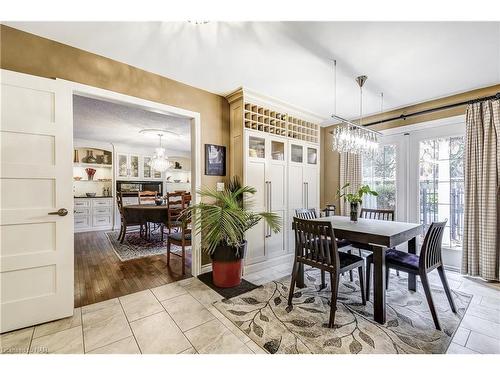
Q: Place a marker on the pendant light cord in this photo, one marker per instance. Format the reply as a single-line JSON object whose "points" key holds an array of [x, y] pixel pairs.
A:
{"points": [[335, 87]]}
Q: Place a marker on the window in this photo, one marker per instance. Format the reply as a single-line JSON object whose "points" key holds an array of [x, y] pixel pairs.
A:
{"points": [[380, 173], [441, 186]]}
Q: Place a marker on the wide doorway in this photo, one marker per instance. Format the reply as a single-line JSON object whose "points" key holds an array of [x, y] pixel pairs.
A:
{"points": [[120, 233]]}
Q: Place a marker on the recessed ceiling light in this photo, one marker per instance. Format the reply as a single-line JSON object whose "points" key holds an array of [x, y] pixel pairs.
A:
{"points": [[199, 22]]}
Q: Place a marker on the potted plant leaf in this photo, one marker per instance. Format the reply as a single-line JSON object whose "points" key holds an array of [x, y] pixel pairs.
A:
{"points": [[222, 219], [355, 199]]}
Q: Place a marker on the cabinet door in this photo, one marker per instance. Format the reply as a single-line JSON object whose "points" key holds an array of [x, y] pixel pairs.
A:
{"points": [[256, 177], [134, 166], [311, 155], [296, 153], [311, 187], [122, 165], [146, 167]]}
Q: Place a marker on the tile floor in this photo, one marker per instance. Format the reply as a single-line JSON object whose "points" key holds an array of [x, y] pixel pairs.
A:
{"points": [[179, 318]]}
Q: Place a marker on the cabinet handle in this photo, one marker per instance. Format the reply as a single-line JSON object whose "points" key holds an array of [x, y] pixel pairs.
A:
{"points": [[307, 194]]}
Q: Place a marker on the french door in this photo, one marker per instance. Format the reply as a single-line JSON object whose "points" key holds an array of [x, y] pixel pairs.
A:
{"points": [[419, 174]]}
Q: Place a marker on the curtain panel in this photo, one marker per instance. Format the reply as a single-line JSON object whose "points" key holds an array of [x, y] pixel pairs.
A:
{"points": [[350, 172], [481, 254]]}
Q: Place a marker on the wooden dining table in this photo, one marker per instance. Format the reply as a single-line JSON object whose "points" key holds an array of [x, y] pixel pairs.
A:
{"points": [[381, 235]]}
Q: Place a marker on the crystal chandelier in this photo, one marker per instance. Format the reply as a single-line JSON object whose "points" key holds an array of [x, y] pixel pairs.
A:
{"points": [[351, 137], [159, 162]]}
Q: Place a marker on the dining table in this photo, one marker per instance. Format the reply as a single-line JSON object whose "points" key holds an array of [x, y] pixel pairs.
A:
{"points": [[146, 213], [380, 235]]}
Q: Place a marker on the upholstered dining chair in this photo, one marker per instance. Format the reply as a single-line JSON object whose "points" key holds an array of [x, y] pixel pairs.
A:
{"points": [[126, 221], [314, 247], [310, 213], [429, 260], [376, 214]]}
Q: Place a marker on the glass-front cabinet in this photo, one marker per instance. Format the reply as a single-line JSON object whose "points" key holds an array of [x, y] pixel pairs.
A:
{"points": [[256, 147], [296, 153], [312, 155], [128, 166], [278, 150], [147, 170]]}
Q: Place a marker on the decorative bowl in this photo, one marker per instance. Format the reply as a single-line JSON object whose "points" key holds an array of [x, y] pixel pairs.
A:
{"points": [[77, 178], [90, 195], [177, 180]]}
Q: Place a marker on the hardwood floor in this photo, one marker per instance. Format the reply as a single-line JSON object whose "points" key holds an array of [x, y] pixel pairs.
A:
{"points": [[100, 275]]}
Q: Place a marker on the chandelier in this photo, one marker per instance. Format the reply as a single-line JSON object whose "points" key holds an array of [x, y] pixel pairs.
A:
{"points": [[159, 161], [351, 137]]}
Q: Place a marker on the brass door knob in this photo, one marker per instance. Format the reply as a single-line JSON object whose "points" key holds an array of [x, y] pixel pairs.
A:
{"points": [[60, 212]]}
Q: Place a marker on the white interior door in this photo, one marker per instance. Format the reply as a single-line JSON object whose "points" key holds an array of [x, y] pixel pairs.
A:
{"points": [[36, 267]]}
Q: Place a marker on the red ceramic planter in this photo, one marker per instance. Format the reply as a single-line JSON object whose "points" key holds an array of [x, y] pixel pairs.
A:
{"points": [[227, 274]]}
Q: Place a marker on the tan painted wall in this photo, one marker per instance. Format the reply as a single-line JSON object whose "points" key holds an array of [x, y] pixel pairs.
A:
{"points": [[27, 53], [31, 54], [330, 160]]}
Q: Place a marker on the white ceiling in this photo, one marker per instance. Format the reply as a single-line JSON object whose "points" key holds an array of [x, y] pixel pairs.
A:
{"points": [[120, 124], [409, 62]]}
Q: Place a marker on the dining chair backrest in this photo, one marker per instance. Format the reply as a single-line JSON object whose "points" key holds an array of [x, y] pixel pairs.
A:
{"points": [[306, 213], [174, 198], [430, 253], [147, 196], [119, 201], [185, 201], [377, 214], [313, 242], [329, 210]]}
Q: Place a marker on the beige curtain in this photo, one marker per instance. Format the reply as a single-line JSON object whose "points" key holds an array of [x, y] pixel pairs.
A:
{"points": [[350, 172], [482, 174]]}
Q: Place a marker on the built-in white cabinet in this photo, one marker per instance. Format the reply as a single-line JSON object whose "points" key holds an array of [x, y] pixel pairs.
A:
{"points": [[128, 166], [93, 214], [276, 151]]}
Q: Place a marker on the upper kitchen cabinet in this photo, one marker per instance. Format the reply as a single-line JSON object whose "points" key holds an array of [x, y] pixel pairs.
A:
{"points": [[128, 166]]}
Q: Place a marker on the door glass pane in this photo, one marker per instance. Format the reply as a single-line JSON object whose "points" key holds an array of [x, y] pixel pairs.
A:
{"points": [[277, 150], [256, 147], [156, 174], [122, 165], [312, 156], [134, 166], [380, 173], [296, 153], [441, 186], [147, 167]]}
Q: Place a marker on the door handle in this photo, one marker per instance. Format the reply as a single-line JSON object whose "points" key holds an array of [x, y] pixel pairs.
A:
{"points": [[60, 212], [270, 196], [307, 194]]}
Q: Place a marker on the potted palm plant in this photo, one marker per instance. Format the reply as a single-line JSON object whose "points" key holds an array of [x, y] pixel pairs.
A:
{"points": [[222, 220], [355, 199]]}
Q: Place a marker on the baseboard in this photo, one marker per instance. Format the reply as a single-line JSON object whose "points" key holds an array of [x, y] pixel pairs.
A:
{"points": [[206, 268]]}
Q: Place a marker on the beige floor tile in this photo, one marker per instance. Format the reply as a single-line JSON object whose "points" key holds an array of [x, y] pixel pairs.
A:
{"points": [[59, 325], [229, 324], [203, 294], [483, 326], [461, 336], [458, 349], [16, 342], [139, 305], [124, 346], [491, 302], [158, 334], [100, 305], [214, 338], [484, 312], [187, 311], [255, 348], [168, 291], [190, 351], [483, 344], [69, 341], [104, 326]]}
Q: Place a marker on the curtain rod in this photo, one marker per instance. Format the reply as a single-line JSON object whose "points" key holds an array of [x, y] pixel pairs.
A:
{"points": [[425, 111]]}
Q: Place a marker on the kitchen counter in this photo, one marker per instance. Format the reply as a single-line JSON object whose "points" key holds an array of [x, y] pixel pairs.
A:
{"points": [[97, 196]]}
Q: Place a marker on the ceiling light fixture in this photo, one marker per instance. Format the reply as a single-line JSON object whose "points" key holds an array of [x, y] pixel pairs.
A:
{"points": [[159, 161], [351, 137]]}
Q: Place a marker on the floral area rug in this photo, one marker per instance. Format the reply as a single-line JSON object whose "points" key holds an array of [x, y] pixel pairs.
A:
{"points": [[263, 315], [136, 247]]}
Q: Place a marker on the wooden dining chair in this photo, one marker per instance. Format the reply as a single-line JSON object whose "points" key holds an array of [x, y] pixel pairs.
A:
{"points": [[314, 247], [174, 209], [310, 213], [430, 259], [147, 197], [375, 214], [125, 221], [180, 238]]}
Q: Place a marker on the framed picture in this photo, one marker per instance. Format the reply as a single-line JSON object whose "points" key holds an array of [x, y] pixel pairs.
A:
{"points": [[215, 160]]}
